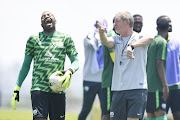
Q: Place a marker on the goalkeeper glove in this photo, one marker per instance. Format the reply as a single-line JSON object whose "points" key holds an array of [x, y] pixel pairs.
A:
{"points": [[66, 78], [15, 97]]}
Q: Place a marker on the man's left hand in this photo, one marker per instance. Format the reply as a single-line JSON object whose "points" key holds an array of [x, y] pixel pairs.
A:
{"points": [[66, 79], [129, 53]]}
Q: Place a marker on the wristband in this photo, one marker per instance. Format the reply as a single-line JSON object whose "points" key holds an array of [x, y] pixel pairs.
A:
{"points": [[71, 70]]}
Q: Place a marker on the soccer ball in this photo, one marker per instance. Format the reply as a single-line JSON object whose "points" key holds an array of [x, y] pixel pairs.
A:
{"points": [[55, 85]]}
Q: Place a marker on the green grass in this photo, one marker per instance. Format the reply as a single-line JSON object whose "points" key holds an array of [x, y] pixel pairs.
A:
{"points": [[26, 115], [9, 114], [15, 115]]}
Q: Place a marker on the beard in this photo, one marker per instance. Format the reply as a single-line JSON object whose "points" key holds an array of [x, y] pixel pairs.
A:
{"points": [[48, 29]]}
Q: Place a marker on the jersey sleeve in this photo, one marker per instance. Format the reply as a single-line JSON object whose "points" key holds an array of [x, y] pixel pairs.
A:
{"points": [[161, 50], [30, 46], [70, 47], [24, 70], [71, 52], [74, 62]]}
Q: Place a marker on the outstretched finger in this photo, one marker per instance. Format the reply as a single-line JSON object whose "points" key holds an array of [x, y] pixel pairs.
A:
{"points": [[101, 28], [98, 24]]}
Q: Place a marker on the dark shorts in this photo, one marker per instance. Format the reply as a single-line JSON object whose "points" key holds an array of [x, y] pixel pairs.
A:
{"points": [[90, 90], [173, 101], [155, 102], [44, 104], [106, 100], [128, 104]]}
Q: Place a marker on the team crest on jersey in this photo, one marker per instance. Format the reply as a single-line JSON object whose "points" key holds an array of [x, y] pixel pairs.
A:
{"points": [[59, 44]]}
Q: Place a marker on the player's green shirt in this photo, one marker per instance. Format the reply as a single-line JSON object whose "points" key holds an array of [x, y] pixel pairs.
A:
{"points": [[108, 64], [49, 53], [157, 50]]}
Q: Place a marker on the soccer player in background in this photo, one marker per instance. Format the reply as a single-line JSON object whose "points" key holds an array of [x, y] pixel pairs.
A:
{"points": [[47, 50], [173, 73], [138, 23], [129, 83], [156, 64], [109, 58], [93, 67]]}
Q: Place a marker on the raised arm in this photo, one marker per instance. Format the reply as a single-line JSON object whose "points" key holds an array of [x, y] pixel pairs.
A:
{"points": [[143, 42], [107, 41], [139, 43]]}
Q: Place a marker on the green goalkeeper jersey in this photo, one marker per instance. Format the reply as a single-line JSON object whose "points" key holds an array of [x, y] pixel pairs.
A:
{"points": [[49, 54]]}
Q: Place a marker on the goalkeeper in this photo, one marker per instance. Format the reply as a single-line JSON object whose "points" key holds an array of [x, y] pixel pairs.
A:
{"points": [[48, 50]]}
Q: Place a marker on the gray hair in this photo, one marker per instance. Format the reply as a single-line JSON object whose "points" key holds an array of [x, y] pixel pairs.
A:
{"points": [[125, 16]]}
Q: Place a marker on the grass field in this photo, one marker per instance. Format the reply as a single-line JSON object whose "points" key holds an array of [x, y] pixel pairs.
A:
{"points": [[9, 114], [27, 115]]}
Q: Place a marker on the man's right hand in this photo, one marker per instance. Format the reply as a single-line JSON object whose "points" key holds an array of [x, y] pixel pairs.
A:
{"points": [[165, 92], [101, 28], [15, 97]]}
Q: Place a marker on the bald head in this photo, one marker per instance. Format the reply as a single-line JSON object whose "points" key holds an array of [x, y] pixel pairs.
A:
{"points": [[169, 21], [48, 22], [162, 24]]}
